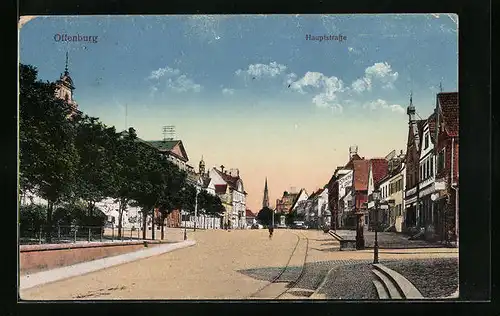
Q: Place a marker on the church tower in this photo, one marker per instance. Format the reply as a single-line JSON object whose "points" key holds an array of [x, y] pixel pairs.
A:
{"points": [[201, 167], [65, 87], [265, 201]]}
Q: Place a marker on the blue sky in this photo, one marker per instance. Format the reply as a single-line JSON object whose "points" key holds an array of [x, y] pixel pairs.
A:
{"points": [[235, 79]]}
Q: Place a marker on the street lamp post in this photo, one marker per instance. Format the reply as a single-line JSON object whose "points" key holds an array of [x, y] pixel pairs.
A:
{"points": [[196, 208], [376, 198], [185, 229]]}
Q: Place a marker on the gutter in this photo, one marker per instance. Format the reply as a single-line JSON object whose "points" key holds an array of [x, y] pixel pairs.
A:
{"points": [[454, 186]]}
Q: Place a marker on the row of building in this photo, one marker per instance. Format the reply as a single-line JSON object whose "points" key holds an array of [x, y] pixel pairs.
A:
{"points": [[226, 184], [418, 188]]}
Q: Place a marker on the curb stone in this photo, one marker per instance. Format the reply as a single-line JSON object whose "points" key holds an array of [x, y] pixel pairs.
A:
{"points": [[44, 277], [316, 295]]}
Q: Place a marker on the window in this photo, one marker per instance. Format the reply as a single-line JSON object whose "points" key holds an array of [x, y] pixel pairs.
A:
{"points": [[426, 141], [429, 171], [440, 161]]}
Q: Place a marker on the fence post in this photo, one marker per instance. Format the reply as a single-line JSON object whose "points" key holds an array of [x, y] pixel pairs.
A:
{"points": [[138, 230], [89, 235], [59, 232], [76, 228], [40, 235], [131, 234], [102, 230], [112, 232]]}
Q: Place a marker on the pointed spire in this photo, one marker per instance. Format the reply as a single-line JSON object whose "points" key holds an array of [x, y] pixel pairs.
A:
{"points": [[265, 200], [411, 98], [66, 68], [440, 86]]}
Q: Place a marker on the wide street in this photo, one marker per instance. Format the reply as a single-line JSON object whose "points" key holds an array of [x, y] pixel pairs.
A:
{"points": [[225, 265]]}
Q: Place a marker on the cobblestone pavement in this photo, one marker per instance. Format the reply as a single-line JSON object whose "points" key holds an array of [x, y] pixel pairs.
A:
{"points": [[229, 265], [351, 282], [434, 278]]}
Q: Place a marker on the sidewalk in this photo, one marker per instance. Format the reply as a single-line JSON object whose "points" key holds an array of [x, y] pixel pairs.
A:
{"points": [[40, 278]]}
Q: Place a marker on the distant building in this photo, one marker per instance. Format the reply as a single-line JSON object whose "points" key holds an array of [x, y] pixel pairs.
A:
{"points": [[299, 204], [415, 127], [378, 170], [229, 188], [284, 204], [250, 217]]}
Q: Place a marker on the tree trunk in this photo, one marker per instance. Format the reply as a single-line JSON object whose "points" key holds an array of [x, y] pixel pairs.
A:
{"points": [[50, 207], [162, 221], [144, 224], [153, 224], [120, 218]]}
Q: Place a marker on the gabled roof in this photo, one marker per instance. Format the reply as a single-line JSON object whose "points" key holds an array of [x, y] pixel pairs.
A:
{"points": [[249, 213], [168, 146], [350, 163], [379, 169], [448, 103], [296, 198], [361, 169], [220, 188], [230, 180]]}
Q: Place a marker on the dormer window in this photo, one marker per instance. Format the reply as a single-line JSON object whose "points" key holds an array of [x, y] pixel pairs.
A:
{"points": [[66, 97], [426, 141]]}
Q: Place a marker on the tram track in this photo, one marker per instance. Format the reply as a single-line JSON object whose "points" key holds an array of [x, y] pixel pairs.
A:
{"points": [[273, 290]]}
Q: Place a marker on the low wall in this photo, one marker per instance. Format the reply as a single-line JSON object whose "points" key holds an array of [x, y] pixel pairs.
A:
{"points": [[36, 258]]}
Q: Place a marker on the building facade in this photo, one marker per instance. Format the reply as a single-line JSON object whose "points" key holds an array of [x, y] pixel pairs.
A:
{"points": [[229, 187], [412, 163], [427, 170], [447, 166]]}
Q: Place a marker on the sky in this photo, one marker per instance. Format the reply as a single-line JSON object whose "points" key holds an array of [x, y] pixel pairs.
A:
{"points": [[261, 93]]}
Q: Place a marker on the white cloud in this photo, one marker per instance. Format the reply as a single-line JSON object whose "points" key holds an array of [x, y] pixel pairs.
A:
{"points": [[377, 73], [273, 69], [174, 80], [160, 72], [227, 91], [184, 84], [382, 104], [361, 85], [329, 87]]}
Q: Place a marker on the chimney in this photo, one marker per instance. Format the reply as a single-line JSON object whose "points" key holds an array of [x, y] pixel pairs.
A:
{"points": [[222, 168]]}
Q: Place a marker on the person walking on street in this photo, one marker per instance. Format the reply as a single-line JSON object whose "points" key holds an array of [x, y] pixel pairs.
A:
{"points": [[271, 230]]}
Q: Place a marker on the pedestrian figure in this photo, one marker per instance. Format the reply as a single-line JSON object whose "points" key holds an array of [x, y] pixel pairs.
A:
{"points": [[271, 230]]}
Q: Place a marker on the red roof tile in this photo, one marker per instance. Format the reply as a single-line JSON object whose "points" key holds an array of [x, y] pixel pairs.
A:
{"points": [[448, 102], [350, 164], [379, 169], [249, 213], [361, 169], [432, 126], [230, 180], [220, 188]]}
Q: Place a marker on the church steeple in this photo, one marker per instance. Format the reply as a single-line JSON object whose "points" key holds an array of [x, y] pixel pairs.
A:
{"points": [[411, 109], [201, 166], [66, 68], [265, 200]]}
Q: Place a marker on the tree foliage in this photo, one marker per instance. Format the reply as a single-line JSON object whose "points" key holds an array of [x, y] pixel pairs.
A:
{"points": [[68, 158], [265, 215]]}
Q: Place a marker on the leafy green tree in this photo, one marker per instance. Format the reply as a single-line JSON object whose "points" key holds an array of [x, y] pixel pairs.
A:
{"points": [[265, 216], [48, 157], [212, 204], [96, 172], [175, 193], [32, 216], [125, 161]]}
